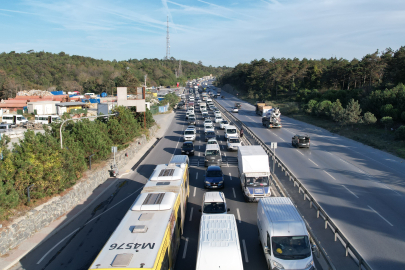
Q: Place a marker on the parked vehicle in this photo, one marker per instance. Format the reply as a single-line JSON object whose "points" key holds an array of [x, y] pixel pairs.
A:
{"points": [[4, 128], [283, 235], [189, 135], [14, 119], [223, 124], [187, 148], [215, 252], [233, 143], [301, 140], [214, 178], [254, 172], [231, 132], [214, 203], [212, 155]]}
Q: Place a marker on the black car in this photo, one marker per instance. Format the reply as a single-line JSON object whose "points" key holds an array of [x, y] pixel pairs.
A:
{"points": [[301, 140], [191, 120], [187, 148], [210, 135]]}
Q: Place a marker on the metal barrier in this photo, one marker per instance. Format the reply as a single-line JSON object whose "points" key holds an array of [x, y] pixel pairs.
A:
{"points": [[350, 250]]}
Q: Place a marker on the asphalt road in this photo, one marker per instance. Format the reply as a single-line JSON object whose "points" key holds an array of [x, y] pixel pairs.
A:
{"points": [[361, 188], [78, 243]]}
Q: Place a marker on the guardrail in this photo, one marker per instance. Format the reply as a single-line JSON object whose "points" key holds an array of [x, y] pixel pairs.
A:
{"points": [[350, 250]]}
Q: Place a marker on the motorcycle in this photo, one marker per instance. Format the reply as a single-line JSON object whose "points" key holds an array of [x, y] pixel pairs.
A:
{"points": [[114, 170]]}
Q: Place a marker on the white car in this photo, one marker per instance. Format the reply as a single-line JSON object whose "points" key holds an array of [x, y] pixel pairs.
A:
{"points": [[212, 141], [207, 121], [218, 119], [235, 110], [189, 135], [233, 143], [223, 124], [192, 127], [208, 127], [205, 114], [214, 203], [217, 114]]}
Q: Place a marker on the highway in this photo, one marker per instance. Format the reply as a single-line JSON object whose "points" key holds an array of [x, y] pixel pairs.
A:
{"points": [[77, 244], [361, 188]]}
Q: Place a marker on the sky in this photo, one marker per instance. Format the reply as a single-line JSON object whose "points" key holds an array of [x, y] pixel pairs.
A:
{"points": [[217, 33]]}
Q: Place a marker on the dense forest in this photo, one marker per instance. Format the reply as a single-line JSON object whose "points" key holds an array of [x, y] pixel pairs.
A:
{"points": [[42, 70], [373, 84]]}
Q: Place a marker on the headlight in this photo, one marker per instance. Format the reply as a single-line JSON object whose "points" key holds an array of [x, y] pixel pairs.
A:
{"points": [[278, 265], [311, 263], [207, 182], [247, 191], [221, 182]]}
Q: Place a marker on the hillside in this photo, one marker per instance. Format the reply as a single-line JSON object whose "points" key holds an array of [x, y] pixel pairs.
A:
{"points": [[42, 70]]}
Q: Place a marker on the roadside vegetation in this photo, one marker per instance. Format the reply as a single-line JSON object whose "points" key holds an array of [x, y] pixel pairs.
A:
{"points": [[38, 159], [48, 71], [360, 99]]}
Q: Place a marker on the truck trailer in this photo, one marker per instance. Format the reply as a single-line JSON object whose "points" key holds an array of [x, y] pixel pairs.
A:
{"points": [[254, 172]]}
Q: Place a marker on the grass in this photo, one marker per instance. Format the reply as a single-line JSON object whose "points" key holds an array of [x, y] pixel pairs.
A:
{"points": [[373, 135]]}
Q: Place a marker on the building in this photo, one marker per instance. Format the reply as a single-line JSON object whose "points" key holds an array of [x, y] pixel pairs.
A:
{"points": [[122, 100], [47, 107], [66, 107]]}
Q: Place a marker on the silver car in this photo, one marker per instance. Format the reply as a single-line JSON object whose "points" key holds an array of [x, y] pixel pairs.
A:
{"points": [[233, 143]]}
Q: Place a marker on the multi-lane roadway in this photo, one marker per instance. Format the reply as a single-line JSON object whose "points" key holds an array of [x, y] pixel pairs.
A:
{"points": [[362, 189]]}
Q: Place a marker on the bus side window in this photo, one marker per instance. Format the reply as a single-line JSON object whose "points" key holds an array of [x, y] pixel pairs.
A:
{"points": [[165, 263]]}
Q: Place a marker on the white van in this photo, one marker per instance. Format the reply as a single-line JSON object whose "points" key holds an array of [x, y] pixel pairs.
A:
{"points": [[231, 132], [283, 235], [218, 243], [212, 155], [46, 119], [14, 119]]}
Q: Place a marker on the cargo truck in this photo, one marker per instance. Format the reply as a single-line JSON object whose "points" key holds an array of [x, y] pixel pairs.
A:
{"points": [[283, 235], [258, 105], [262, 109], [254, 172]]}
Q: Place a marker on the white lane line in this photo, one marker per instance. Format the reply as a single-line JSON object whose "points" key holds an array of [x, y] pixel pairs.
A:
{"points": [[88, 223], [380, 215], [199, 153], [198, 163], [330, 175], [313, 162], [350, 191], [195, 188], [176, 147], [185, 248], [196, 175], [230, 176], [237, 211], [225, 154], [199, 147], [234, 194], [191, 213], [245, 251]]}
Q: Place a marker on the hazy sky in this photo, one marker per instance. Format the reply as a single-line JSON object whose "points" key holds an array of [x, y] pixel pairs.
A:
{"points": [[216, 32]]}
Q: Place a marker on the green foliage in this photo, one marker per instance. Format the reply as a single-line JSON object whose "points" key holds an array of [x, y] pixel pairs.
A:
{"points": [[352, 113], [369, 118], [403, 116], [149, 119], [400, 133], [337, 112], [172, 99], [323, 108], [309, 108], [387, 121]]}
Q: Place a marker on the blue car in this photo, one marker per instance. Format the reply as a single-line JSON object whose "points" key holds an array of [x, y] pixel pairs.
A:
{"points": [[214, 177]]}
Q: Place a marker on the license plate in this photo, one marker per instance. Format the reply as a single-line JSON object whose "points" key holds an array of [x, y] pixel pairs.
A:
{"points": [[187, 153]]}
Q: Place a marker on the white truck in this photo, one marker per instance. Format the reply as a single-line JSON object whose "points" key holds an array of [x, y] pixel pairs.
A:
{"points": [[218, 243], [283, 235], [254, 172], [272, 119]]}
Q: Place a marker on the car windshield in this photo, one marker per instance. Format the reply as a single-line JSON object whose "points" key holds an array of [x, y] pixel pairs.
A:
{"points": [[211, 133], [231, 131], [188, 145], [211, 152], [208, 127], [212, 142], [257, 181], [189, 132], [191, 118], [234, 141], [214, 207], [291, 247], [214, 173], [225, 122]]}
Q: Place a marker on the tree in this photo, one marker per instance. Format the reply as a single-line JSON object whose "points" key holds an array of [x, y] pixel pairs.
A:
{"points": [[352, 114], [337, 112], [369, 118], [387, 122]]}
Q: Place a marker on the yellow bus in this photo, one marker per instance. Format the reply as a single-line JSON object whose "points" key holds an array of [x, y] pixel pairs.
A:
{"points": [[148, 236]]}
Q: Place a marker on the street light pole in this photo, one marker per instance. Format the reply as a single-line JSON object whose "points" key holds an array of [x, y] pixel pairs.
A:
{"points": [[72, 119]]}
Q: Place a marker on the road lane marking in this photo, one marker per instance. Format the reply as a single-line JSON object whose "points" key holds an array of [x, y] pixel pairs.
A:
{"points": [[199, 147], [330, 175], [198, 163], [185, 248], [199, 153], [88, 223], [237, 211], [230, 176], [225, 154], [350, 191], [195, 188], [245, 251], [380, 215], [196, 175], [191, 213], [234, 195], [313, 162]]}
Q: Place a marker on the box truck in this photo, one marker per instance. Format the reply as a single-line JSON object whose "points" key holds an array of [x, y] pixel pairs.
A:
{"points": [[254, 172], [283, 235]]}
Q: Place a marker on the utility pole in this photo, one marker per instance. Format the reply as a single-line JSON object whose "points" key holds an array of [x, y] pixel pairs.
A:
{"points": [[145, 79], [167, 41], [179, 72]]}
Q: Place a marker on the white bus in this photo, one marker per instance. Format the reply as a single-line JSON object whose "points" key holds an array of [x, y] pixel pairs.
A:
{"points": [[14, 119], [47, 119]]}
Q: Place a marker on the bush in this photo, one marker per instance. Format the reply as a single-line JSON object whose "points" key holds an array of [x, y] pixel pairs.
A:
{"points": [[323, 108], [400, 133], [387, 121], [290, 108], [369, 118], [336, 111], [403, 116], [309, 108]]}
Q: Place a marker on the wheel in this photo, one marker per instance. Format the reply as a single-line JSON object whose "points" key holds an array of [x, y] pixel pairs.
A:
{"points": [[292, 143]]}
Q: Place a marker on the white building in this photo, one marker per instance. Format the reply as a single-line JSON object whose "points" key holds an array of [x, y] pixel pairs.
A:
{"points": [[42, 107]]}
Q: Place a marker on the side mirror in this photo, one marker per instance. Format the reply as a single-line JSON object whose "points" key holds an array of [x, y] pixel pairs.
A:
{"points": [[228, 210], [266, 250], [314, 248]]}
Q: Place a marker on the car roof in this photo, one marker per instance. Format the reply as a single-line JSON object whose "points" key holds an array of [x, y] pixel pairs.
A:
{"points": [[214, 168], [214, 196]]}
